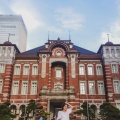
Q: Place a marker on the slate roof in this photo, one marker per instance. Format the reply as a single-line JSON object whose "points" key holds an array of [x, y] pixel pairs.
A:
{"points": [[81, 50], [34, 50]]}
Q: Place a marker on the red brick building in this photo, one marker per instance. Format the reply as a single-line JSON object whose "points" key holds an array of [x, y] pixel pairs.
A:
{"points": [[60, 71]]}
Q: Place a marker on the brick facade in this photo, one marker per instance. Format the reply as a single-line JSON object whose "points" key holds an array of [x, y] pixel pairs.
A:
{"points": [[58, 77]]}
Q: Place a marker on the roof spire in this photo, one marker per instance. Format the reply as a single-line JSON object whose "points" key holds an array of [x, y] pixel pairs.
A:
{"points": [[108, 37], [48, 35], [69, 35], [8, 37], [58, 38]]}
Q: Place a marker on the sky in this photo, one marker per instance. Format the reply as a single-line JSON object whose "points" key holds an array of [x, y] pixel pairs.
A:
{"points": [[86, 21]]}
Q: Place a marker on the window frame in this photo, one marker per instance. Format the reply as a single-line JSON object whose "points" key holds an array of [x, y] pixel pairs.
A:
{"points": [[60, 69], [90, 65], [22, 92], [13, 87], [15, 69], [118, 90], [115, 70], [83, 71], [98, 72], [118, 52], [2, 67], [94, 92], [32, 87], [34, 72], [1, 80], [81, 90], [24, 71], [103, 90]]}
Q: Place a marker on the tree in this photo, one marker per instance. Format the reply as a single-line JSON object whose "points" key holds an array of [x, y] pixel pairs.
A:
{"points": [[109, 112], [86, 110], [31, 109], [44, 114], [5, 112]]}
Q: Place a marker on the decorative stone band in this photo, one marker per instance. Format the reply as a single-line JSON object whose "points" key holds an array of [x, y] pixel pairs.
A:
{"points": [[43, 74]]}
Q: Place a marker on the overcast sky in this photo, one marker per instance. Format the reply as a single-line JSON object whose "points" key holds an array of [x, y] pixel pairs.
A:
{"points": [[89, 21]]}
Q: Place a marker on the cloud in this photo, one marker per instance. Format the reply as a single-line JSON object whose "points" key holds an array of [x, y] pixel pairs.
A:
{"points": [[1, 11], [114, 29], [114, 33], [69, 19], [31, 18]]}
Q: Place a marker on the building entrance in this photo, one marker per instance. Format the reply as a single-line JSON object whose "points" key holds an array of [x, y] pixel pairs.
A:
{"points": [[55, 106]]}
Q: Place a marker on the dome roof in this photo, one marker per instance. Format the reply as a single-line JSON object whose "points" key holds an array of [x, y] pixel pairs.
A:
{"points": [[7, 42], [108, 43]]}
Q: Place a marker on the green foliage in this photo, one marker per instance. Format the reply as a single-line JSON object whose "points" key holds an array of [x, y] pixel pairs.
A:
{"points": [[7, 103], [84, 111], [109, 112], [44, 114], [31, 108], [5, 112]]}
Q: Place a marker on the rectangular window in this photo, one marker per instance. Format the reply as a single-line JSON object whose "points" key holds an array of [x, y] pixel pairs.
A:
{"points": [[118, 52], [91, 88], [2, 68], [114, 68], [100, 88], [24, 88], [116, 87], [15, 88], [112, 52], [81, 70], [26, 70], [90, 70], [35, 70], [1, 86], [107, 51], [17, 70], [34, 88], [82, 88], [58, 73], [99, 70]]}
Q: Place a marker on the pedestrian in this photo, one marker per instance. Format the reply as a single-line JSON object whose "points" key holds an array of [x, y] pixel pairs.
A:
{"points": [[41, 118], [66, 110]]}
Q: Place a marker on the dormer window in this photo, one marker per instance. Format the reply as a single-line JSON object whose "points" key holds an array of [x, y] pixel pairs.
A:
{"points": [[46, 46], [71, 46]]}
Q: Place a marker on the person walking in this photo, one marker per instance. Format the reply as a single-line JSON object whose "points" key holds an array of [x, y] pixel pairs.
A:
{"points": [[66, 110]]}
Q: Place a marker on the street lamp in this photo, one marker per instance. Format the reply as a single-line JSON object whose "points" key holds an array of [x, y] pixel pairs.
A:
{"points": [[25, 105], [87, 95]]}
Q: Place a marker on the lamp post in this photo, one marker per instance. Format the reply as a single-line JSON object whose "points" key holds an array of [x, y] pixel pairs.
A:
{"points": [[87, 95], [26, 90], [25, 105]]}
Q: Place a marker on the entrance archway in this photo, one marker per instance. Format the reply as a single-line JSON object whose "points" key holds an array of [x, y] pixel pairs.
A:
{"points": [[13, 109], [55, 106], [94, 108]]}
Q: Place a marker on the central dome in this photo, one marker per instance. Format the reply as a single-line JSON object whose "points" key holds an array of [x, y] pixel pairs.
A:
{"points": [[7, 43], [108, 43]]}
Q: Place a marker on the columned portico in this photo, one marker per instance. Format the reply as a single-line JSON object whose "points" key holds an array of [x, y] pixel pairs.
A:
{"points": [[55, 98]]}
